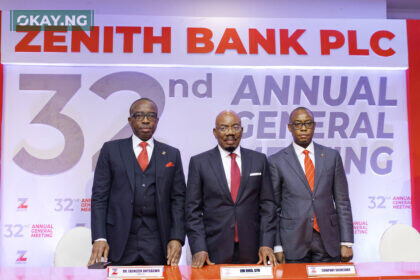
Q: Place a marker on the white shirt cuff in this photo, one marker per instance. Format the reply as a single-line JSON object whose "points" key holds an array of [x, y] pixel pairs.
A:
{"points": [[278, 249], [348, 244], [100, 239]]}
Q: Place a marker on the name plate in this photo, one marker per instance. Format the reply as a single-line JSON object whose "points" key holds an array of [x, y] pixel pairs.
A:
{"points": [[246, 272], [134, 272], [330, 270]]}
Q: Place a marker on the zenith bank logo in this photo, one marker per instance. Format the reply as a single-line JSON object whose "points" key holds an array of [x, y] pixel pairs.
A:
{"points": [[114, 271], [21, 259], [22, 204]]}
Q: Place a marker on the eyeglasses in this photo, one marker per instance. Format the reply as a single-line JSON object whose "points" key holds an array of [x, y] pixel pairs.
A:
{"points": [[299, 125], [139, 116], [224, 128]]}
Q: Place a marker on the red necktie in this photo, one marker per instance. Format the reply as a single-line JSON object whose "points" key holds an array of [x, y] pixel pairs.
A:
{"points": [[235, 181], [310, 176], [143, 159]]}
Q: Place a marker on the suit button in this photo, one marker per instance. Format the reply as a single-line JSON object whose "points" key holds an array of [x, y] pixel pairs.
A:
{"points": [[313, 198], [312, 219], [143, 185], [232, 226], [131, 202]]}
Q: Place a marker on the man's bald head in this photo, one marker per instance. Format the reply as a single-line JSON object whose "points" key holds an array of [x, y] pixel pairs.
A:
{"points": [[140, 101], [299, 109], [228, 130], [227, 113], [302, 126]]}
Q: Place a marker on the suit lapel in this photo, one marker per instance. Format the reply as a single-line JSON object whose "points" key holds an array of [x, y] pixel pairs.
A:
{"points": [[160, 157], [215, 161], [297, 168], [319, 164], [246, 169], [127, 153]]}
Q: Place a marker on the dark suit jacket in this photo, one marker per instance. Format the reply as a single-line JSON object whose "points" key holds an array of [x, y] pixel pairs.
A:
{"points": [[113, 194], [210, 211], [297, 203]]}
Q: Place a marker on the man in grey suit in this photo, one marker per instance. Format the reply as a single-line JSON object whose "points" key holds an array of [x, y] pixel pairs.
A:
{"points": [[230, 210], [310, 186]]}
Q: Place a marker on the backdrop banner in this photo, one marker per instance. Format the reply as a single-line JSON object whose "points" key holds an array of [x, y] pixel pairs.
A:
{"points": [[56, 119], [68, 91]]}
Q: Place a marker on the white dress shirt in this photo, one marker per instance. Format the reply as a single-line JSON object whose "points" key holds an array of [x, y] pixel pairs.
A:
{"points": [[301, 157], [137, 149], [226, 160]]}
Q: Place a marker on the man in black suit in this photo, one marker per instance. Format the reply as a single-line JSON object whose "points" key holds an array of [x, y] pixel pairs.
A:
{"points": [[138, 196], [230, 209], [310, 186]]}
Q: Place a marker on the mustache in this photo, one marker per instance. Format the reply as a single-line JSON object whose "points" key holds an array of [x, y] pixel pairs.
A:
{"points": [[230, 137]]}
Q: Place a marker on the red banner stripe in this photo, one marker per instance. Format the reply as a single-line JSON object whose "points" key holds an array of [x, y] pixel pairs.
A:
{"points": [[413, 108]]}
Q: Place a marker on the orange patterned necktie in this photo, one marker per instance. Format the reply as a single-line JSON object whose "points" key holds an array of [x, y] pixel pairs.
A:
{"points": [[143, 159], [310, 176]]}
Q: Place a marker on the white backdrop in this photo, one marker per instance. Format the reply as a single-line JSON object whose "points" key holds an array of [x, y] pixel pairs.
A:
{"points": [[50, 137]]}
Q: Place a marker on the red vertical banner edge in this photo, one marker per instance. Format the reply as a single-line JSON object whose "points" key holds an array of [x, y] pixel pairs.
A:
{"points": [[413, 105]]}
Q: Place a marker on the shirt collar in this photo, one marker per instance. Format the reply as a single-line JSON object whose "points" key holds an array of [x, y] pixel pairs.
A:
{"points": [[225, 153], [299, 150], [137, 141]]}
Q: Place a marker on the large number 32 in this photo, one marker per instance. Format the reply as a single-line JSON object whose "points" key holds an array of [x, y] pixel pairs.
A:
{"points": [[65, 87]]}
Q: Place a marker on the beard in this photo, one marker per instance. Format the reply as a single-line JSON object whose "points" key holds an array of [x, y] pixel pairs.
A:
{"points": [[230, 149]]}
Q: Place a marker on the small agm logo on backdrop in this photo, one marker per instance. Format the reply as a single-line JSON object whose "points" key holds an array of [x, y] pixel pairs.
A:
{"points": [[21, 258], [361, 227], [51, 20], [42, 231], [22, 204], [85, 205], [401, 202]]}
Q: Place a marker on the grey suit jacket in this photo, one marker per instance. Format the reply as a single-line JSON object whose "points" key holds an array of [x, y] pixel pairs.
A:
{"points": [[297, 203]]}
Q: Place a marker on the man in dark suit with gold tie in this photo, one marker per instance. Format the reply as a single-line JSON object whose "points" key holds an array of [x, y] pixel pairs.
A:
{"points": [[138, 196], [230, 210], [310, 186]]}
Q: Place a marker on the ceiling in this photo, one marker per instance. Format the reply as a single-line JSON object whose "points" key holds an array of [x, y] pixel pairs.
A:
{"points": [[393, 9], [403, 9]]}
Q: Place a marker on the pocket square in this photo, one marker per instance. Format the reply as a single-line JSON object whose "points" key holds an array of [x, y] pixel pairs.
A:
{"points": [[255, 174], [169, 164]]}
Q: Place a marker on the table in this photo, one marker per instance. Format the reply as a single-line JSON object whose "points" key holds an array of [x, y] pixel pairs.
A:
{"points": [[366, 271]]}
